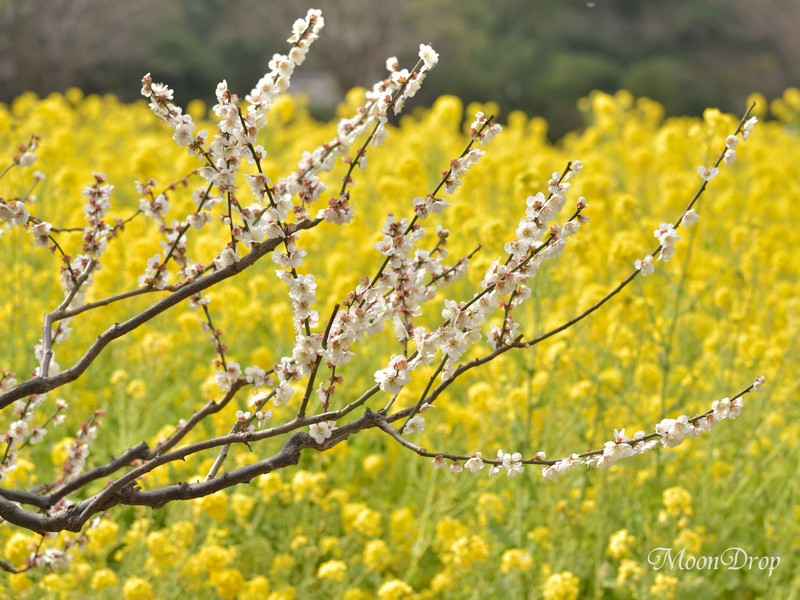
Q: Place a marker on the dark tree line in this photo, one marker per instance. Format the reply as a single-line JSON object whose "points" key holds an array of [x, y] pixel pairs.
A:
{"points": [[536, 55]]}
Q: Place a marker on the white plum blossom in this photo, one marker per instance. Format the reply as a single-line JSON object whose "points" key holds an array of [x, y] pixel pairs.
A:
{"points": [[154, 275], [263, 417], [690, 217], [511, 463], [255, 375], [615, 450], [225, 378], [727, 408], [645, 265], [428, 56], [395, 376], [707, 173], [416, 424], [322, 431], [562, 466], [18, 430], [672, 432], [666, 238], [226, 258], [41, 233], [15, 212], [283, 393], [747, 129], [27, 159], [475, 463]]}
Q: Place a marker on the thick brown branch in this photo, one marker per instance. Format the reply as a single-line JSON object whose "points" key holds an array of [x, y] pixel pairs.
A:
{"points": [[76, 516]]}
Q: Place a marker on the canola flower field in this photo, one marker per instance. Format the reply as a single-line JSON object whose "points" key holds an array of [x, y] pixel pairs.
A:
{"points": [[370, 519]]}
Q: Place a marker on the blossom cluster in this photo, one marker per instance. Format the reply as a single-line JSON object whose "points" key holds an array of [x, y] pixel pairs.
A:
{"points": [[669, 432], [666, 233]]}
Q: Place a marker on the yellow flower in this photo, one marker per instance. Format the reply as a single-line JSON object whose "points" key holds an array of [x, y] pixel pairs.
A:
{"points": [[664, 587], [377, 555], [60, 451], [395, 590], [358, 518], [331, 546], [270, 484], [468, 550], [136, 588], [101, 536], [23, 474], [214, 505], [357, 594], [619, 544], [561, 586], [242, 505], [307, 485], [373, 464], [255, 589], [491, 507], [51, 583], [402, 527], [227, 583], [334, 570], [444, 581], [103, 578], [136, 389], [677, 502], [299, 541], [690, 540], [448, 530], [182, 533], [119, 376], [19, 582], [287, 593], [282, 565], [163, 553], [516, 559], [629, 570], [19, 547], [540, 535]]}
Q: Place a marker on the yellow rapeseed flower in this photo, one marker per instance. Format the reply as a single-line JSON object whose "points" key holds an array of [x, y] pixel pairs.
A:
{"points": [[664, 587], [395, 589], [228, 583], [358, 518], [516, 559], [334, 570], [377, 555], [561, 586], [137, 588], [103, 579], [102, 535], [691, 540], [287, 593], [628, 571], [255, 589], [677, 501], [214, 505], [619, 544], [19, 547], [242, 505], [357, 594]]}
